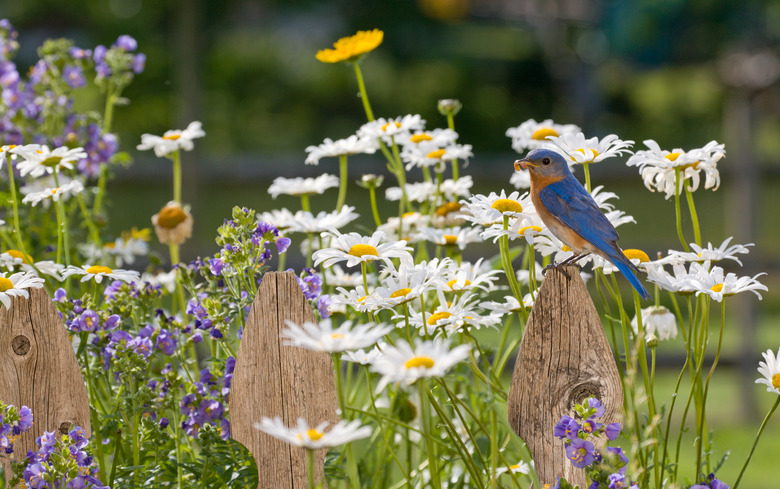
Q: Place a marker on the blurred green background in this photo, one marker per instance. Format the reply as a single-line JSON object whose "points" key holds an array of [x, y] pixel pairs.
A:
{"points": [[680, 72]]}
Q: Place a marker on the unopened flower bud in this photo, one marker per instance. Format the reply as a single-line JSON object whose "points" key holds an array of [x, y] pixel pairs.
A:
{"points": [[651, 340], [369, 181], [449, 106]]}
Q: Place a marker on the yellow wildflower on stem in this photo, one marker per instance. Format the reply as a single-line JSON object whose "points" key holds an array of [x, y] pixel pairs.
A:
{"points": [[352, 48]]}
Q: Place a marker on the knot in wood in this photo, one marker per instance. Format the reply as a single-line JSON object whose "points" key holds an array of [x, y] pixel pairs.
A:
{"points": [[584, 390], [65, 426], [20, 344]]}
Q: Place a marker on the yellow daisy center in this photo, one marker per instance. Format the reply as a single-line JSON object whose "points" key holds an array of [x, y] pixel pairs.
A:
{"points": [[95, 269], [543, 133], [172, 137], [582, 150], [417, 362], [673, 156], [776, 381], [351, 47], [360, 250], [396, 124], [361, 299], [454, 281], [418, 138], [536, 229], [20, 255], [435, 155], [171, 216], [337, 336], [313, 435], [439, 315], [507, 205], [400, 293], [408, 214], [565, 248], [5, 284], [716, 287], [638, 254], [514, 467], [450, 239], [51, 161], [447, 208]]}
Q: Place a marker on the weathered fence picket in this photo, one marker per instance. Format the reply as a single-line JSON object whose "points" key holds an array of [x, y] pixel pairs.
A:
{"points": [[271, 379], [564, 358], [38, 369]]}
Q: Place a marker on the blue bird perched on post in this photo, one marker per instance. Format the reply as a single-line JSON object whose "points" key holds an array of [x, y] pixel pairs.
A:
{"points": [[572, 215]]}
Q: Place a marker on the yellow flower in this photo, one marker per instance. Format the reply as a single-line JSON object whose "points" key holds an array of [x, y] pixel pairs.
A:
{"points": [[351, 48]]}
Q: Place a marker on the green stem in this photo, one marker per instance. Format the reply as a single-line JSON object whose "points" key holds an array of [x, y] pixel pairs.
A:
{"points": [[15, 205], [343, 182], [310, 468], [176, 158], [758, 435], [709, 377], [451, 125], [587, 176], [646, 378], [433, 462], [374, 209], [677, 210], [305, 203], [694, 215], [363, 93]]}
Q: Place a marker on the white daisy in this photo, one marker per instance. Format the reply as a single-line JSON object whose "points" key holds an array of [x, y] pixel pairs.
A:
{"points": [[591, 150], [166, 280], [415, 192], [518, 468], [46, 267], [531, 134], [459, 277], [437, 138], [452, 189], [342, 147], [657, 167], [716, 284], [510, 305], [126, 248], [335, 276], [520, 179], [172, 140], [314, 438], [15, 285], [461, 312], [388, 129], [406, 364], [306, 222], [710, 253], [406, 283], [55, 194], [411, 222], [98, 272], [357, 298], [324, 337], [490, 210], [11, 259], [41, 160], [680, 281], [362, 357], [302, 186], [280, 218], [426, 156], [658, 321], [355, 249], [451, 236], [770, 369]]}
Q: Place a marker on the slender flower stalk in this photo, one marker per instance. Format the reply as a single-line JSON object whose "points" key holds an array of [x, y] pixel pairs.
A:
{"points": [[694, 216], [755, 442], [677, 212], [363, 92], [342, 182], [176, 159]]}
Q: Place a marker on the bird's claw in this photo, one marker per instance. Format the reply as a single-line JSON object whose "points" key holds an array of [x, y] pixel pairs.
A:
{"points": [[556, 267]]}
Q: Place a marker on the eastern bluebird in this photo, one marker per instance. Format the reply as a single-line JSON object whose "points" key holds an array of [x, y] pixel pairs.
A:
{"points": [[571, 214]]}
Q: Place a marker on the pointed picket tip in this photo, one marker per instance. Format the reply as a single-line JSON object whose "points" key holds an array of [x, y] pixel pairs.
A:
{"points": [[564, 358], [271, 379], [38, 369]]}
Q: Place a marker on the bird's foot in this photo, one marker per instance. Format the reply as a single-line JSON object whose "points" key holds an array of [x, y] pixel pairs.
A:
{"points": [[556, 266]]}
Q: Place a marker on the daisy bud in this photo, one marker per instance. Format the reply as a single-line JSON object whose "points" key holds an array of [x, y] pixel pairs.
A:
{"points": [[173, 224], [449, 106]]}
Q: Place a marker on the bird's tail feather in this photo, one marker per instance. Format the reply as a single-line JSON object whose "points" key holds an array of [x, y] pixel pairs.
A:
{"points": [[626, 268]]}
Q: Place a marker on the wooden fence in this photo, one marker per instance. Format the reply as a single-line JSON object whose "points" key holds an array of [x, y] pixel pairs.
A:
{"points": [[564, 358]]}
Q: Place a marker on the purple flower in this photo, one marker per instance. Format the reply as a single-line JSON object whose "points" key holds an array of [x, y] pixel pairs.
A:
{"points": [[74, 77], [79, 53], [46, 442], [566, 428], [717, 484], [111, 322], [618, 452], [164, 423], [166, 342], [612, 430], [617, 481], [33, 476], [216, 265], [323, 305], [139, 63], [60, 295], [593, 403], [25, 420], [590, 426], [88, 321], [99, 54], [197, 337], [126, 42], [141, 345], [282, 244], [580, 452]]}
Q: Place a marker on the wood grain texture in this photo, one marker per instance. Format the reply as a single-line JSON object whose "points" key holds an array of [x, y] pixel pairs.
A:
{"points": [[564, 358], [38, 369], [271, 379]]}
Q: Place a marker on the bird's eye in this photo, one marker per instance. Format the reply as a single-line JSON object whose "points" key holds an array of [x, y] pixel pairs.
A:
{"points": [[545, 161]]}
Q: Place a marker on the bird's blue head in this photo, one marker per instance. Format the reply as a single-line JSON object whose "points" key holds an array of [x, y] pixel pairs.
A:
{"points": [[544, 163]]}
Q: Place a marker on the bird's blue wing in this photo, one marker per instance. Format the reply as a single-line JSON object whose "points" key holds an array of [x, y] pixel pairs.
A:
{"points": [[570, 203]]}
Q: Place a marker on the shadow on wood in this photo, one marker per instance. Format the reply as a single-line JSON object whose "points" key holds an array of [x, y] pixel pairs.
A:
{"points": [[271, 379], [564, 358], [38, 369]]}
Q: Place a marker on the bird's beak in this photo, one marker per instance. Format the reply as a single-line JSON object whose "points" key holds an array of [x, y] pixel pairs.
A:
{"points": [[523, 164]]}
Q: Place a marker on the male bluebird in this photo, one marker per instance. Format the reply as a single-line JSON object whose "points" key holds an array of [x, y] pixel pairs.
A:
{"points": [[571, 214]]}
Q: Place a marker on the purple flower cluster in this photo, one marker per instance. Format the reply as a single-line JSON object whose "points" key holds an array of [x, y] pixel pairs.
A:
{"points": [[710, 482], [608, 470], [119, 58], [13, 422], [63, 460], [311, 285], [79, 319], [207, 404]]}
